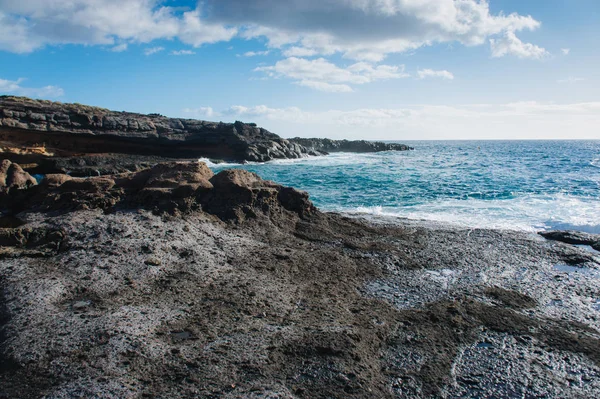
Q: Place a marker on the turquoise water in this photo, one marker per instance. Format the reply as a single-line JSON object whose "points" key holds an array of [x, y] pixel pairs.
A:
{"points": [[523, 185]]}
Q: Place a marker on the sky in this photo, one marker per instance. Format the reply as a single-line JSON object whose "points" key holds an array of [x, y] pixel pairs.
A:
{"points": [[355, 69]]}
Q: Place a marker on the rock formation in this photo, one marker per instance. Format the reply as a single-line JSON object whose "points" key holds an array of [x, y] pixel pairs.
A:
{"points": [[574, 237], [167, 187], [328, 145], [174, 282], [36, 129], [13, 177]]}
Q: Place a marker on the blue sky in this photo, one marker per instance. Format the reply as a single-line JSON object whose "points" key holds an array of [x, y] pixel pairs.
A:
{"points": [[379, 69]]}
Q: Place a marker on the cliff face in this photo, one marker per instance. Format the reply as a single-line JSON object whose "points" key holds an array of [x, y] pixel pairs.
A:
{"points": [[74, 129], [328, 145]]}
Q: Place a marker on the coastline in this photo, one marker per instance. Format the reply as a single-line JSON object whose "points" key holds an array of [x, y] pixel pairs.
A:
{"points": [[135, 291]]}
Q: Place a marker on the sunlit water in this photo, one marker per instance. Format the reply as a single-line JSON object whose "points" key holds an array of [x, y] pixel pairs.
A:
{"points": [[523, 185]]}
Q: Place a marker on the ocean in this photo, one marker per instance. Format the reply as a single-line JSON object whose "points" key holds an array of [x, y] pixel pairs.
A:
{"points": [[517, 185]]}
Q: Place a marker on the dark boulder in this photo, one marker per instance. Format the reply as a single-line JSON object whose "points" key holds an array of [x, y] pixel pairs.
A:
{"points": [[573, 237]]}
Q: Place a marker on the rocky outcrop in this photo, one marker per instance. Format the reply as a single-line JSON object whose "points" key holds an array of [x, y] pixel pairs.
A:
{"points": [[574, 238], [13, 177], [175, 187], [74, 129], [328, 145]]}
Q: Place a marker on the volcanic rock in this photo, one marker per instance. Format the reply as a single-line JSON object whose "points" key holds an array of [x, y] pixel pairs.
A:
{"points": [[573, 237], [66, 130], [328, 145], [13, 177]]}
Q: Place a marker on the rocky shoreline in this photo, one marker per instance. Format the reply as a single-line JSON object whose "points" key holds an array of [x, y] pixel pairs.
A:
{"points": [[174, 282], [50, 137], [360, 146]]}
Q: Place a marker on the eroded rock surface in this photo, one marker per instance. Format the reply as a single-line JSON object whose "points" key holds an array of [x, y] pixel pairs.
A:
{"points": [[173, 282], [13, 177]]}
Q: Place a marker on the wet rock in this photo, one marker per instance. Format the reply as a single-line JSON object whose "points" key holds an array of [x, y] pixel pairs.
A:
{"points": [[509, 298], [573, 237]]}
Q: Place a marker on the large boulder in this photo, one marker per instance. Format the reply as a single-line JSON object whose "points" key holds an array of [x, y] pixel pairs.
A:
{"points": [[239, 194]]}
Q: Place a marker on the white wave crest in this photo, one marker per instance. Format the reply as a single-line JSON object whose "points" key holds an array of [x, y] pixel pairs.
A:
{"points": [[528, 213]]}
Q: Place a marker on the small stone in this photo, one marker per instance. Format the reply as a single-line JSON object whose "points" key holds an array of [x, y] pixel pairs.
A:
{"points": [[152, 261], [80, 305]]}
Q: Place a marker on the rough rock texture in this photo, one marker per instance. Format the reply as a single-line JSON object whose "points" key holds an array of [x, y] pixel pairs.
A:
{"points": [[13, 177], [328, 145], [574, 237], [73, 129], [167, 187], [175, 283]]}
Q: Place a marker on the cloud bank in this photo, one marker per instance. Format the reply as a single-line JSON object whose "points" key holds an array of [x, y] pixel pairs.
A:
{"points": [[518, 120], [362, 30]]}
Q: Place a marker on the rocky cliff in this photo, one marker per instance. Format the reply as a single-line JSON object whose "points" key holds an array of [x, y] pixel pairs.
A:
{"points": [[328, 145], [36, 129]]}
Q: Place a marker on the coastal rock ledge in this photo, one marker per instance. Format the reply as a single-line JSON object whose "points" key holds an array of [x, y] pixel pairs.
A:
{"points": [[328, 145], [33, 129], [51, 137]]}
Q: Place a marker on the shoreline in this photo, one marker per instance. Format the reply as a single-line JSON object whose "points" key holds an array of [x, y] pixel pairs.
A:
{"points": [[176, 282]]}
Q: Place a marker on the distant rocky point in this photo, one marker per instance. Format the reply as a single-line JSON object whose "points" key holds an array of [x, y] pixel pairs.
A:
{"points": [[52, 137], [328, 145]]}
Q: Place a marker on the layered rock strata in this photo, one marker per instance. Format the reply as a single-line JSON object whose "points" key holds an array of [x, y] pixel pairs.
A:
{"points": [[36, 128]]}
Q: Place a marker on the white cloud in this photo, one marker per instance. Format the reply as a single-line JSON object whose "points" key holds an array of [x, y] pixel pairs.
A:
{"points": [[119, 48], [365, 30], [323, 75], [29, 25], [511, 44], [300, 52], [570, 79], [256, 53], [327, 87], [183, 52], [518, 120], [201, 112], [430, 73], [565, 51], [153, 50], [14, 87]]}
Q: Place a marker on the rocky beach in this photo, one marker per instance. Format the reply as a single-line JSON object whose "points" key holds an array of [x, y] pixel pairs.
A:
{"points": [[302, 199], [129, 271], [174, 282]]}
